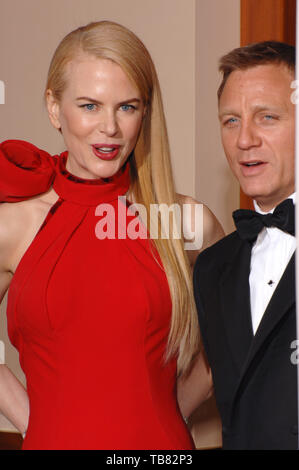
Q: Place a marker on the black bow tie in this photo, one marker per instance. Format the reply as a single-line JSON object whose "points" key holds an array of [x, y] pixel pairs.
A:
{"points": [[250, 223]]}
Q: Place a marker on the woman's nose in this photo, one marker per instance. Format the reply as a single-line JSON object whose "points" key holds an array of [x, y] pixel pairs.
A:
{"points": [[108, 124]]}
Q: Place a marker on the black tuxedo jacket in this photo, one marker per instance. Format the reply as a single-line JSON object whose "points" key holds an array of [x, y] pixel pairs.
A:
{"points": [[255, 380]]}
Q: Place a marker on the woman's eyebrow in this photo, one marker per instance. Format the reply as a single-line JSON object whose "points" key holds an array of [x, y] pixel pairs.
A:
{"points": [[87, 98]]}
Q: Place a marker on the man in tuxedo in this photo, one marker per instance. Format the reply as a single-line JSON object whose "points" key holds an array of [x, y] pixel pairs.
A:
{"points": [[245, 284]]}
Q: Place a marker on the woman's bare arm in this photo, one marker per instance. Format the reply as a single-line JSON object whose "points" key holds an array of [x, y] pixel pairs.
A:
{"points": [[201, 230], [196, 387], [14, 403]]}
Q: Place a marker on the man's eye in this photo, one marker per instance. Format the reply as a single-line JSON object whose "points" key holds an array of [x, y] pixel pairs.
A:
{"points": [[230, 121], [270, 118]]}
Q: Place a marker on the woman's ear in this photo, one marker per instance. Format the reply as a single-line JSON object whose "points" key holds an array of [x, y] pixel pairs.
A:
{"points": [[53, 109]]}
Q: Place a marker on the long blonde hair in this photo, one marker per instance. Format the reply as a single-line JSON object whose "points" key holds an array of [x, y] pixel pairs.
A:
{"points": [[151, 173]]}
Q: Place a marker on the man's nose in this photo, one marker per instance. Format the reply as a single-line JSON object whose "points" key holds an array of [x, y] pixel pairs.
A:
{"points": [[248, 136]]}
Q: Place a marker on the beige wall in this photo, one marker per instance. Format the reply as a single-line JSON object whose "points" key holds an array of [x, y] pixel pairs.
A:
{"points": [[217, 32], [185, 39], [30, 31]]}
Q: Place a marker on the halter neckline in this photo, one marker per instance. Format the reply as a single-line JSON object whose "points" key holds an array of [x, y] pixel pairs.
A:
{"points": [[30, 171]]}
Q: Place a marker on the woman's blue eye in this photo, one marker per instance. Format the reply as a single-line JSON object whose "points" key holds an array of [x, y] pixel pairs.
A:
{"points": [[127, 107], [88, 106], [92, 107]]}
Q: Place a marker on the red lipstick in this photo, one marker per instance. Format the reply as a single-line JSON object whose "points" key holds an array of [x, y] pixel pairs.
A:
{"points": [[105, 151]]}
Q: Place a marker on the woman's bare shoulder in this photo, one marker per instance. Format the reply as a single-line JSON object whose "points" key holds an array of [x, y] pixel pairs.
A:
{"points": [[16, 216], [200, 224], [19, 222], [12, 217]]}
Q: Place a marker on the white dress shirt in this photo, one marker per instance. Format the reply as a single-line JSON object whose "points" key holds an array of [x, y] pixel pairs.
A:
{"points": [[270, 255]]}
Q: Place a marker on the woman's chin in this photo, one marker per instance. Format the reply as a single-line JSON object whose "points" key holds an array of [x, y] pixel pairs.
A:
{"points": [[101, 170], [106, 171]]}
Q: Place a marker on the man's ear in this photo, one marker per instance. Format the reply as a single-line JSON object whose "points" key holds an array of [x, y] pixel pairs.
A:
{"points": [[53, 109]]}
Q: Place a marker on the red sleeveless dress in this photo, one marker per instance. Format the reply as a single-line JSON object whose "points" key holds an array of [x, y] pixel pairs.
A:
{"points": [[90, 317]]}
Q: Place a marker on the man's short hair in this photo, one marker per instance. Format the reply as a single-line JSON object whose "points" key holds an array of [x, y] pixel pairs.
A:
{"points": [[260, 53]]}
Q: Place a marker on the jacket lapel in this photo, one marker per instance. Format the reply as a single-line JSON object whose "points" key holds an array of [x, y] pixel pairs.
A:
{"points": [[282, 300], [235, 304]]}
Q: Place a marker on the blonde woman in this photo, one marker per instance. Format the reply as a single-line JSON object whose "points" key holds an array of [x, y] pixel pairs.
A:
{"points": [[102, 313]]}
